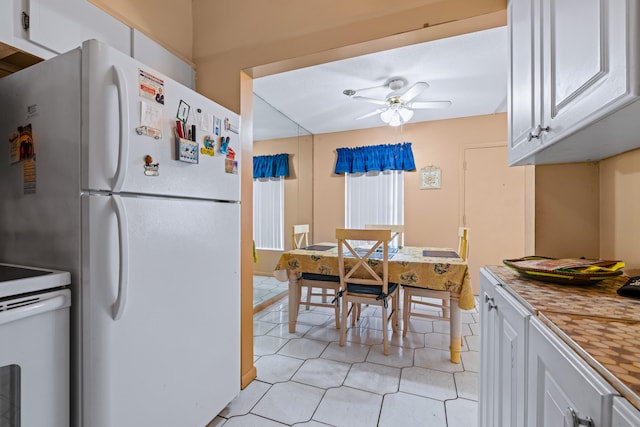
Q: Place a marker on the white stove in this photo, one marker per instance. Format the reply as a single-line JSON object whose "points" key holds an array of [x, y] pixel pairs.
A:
{"points": [[17, 279], [34, 346]]}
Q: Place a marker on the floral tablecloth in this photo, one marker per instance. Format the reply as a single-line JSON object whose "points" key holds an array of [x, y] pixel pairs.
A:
{"points": [[408, 266]]}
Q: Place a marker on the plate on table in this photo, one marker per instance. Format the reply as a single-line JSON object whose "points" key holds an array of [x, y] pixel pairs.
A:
{"points": [[440, 254], [568, 271], [317, 248]]}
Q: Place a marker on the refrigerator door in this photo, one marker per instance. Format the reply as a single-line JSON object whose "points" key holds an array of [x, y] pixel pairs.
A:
{"points": [[123, 118], [161, 310]]}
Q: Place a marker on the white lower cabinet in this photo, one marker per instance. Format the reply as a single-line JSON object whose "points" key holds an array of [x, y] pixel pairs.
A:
{"points": [[529, 377], [624, 414], [562, 389], [503, 336]]}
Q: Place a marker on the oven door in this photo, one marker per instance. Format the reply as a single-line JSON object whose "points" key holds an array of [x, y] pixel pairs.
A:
{"points": [[34, 361]]}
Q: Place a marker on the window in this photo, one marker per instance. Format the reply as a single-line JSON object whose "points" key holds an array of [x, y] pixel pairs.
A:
{"points": [[268, 213], [374, 198]]}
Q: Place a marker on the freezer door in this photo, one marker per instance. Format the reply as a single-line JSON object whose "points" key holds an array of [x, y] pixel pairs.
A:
{"points": [[161, 310], [123, 118]]}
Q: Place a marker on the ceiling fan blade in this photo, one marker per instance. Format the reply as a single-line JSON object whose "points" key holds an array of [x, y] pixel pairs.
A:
{"points": [[429, 104], [369, 88], [371, 100], [373, 113], [413, 91]]}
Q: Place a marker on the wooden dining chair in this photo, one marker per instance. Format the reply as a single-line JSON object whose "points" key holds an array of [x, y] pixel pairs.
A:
{"points": [[397, 231], [310, 281], [413, 297], [362, 283], [300, 236]]}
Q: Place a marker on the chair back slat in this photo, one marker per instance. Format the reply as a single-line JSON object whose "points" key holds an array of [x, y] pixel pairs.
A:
{"points": [[300, 236], [397, 231], [362, 268], [463, 242]]}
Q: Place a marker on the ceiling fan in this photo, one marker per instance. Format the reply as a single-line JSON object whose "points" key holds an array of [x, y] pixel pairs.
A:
{"points": [[398, 105]]}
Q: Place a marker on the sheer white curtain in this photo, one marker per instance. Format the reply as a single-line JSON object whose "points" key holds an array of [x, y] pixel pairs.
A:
{"points": [[268, 213], [374, 198]]}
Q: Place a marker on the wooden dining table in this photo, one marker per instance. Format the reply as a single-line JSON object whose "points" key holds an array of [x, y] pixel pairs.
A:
{"points": [[426, 267]]}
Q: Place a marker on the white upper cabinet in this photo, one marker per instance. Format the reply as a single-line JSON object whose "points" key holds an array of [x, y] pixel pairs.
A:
{"points": [[62, 25], [524, 78], [152, 54], [574, 80], [46, 28]]}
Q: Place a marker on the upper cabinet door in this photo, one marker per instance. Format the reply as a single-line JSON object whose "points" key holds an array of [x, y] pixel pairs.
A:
{"points": [[62, 25], [585, 62], [574, 80], [152, 54], [524, 77]]}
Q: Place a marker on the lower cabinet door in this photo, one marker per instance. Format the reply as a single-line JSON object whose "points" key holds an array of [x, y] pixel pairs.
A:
{"points": [[488, 351], [511, 336], [562, 389], [503, 349], [624, 414]]}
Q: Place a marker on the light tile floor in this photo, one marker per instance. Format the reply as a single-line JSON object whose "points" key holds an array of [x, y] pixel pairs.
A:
{"points": [[307, 379], [266, 288]]}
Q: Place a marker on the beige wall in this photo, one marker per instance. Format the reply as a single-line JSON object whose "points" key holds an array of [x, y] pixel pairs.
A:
{"points": [[298, 191], [247, 369], [431, 217], [619, 210], [567, 210]]}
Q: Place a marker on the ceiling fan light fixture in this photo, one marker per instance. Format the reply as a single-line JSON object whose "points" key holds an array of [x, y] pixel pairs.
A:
{"points": [[395, 116], [406, 114], [387, 115], [399, 104], [396, 120]]}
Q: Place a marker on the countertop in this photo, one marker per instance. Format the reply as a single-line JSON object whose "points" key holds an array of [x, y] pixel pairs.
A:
{"points": [[600, 325]]}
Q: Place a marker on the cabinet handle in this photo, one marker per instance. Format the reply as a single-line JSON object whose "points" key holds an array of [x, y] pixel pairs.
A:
{"points": [[577, 421], [538, 132], [490, 301]]}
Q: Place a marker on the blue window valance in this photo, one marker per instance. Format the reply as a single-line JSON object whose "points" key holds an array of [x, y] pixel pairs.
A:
{"points": [[375, 158], [271, 166]]}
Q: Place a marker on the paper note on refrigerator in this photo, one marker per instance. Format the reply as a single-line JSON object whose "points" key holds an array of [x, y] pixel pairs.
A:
{"points": [[150, 116], [207, 122]]}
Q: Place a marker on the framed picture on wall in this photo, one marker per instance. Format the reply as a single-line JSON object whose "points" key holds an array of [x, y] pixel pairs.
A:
{"points": [[430, 178]]}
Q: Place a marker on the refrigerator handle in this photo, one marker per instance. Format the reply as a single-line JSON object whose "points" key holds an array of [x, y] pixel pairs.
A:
{"points": [[123, 109], [123, 277]]}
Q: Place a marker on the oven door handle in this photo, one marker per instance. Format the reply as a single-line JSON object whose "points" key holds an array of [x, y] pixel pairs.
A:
{"points": [[123, 275], [51, 304]]}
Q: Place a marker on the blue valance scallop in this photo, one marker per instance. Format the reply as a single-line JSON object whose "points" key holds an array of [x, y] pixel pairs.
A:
{"points": [[271, 166], [375, 158]]}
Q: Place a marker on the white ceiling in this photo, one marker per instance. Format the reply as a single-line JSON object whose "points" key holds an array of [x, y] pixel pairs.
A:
{"points": [[469, 70]]}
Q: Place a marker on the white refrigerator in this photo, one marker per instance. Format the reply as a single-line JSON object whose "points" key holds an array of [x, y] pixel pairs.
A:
{"points": [[93, 180]]}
